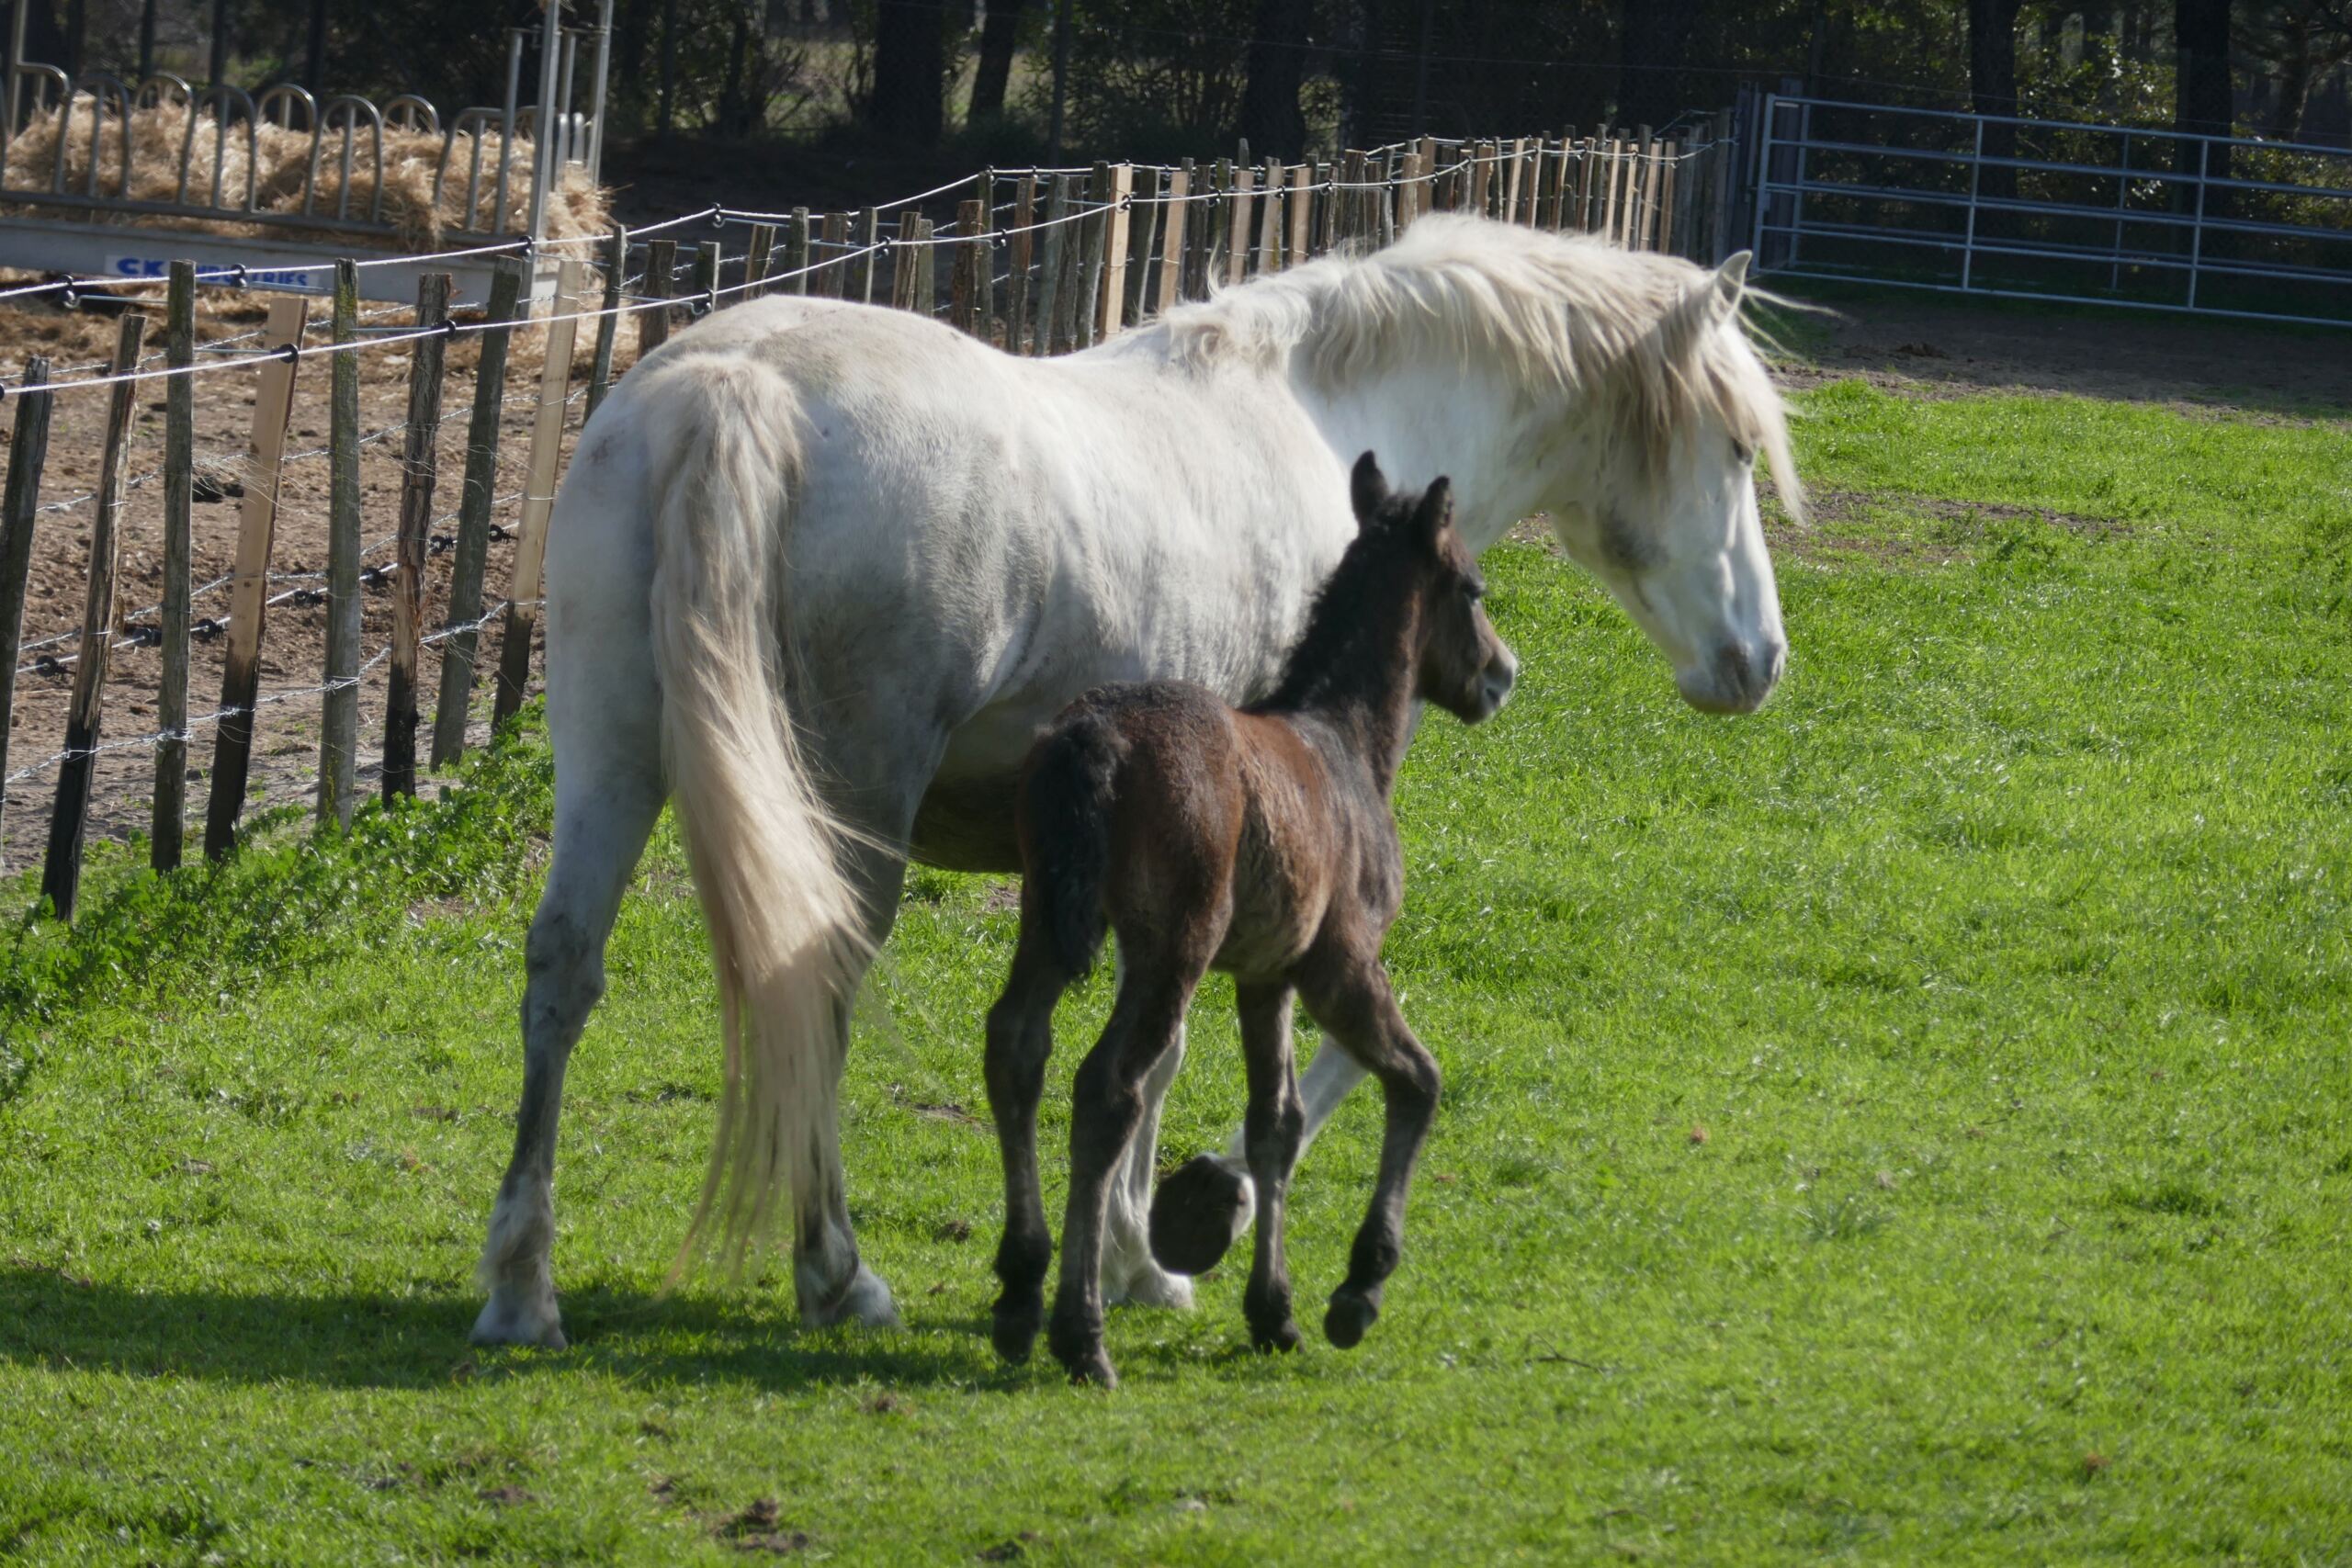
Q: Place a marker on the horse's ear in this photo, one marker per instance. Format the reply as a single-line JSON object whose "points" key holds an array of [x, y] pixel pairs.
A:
{"points": [[1436, 512], [1368, 488], [1731, 284]]}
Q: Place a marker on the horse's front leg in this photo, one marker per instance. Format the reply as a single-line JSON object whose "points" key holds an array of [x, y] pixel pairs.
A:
{"points": [[1350, 994], [1206, 1205]]}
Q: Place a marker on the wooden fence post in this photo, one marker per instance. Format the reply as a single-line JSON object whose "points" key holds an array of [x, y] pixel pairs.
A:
{"points": [[339, 708], [861, 279], [661, 277], [757, 257], [926, 269], [599, 367], [421, 466], [1049, 267], [1237, 228], [538, 499], [1669, 157], [462, 633], [232, 739], [62, 872], [835, 237], [1270, 218], [984, 246], [1171, 236], [963, 279], [1301, 210], [1111, 304], [708, 257], [798, 238], [168, 830], [1023, 247], [27, 450], [1143, 242]]}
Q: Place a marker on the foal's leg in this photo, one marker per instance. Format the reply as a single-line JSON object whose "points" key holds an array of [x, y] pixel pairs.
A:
{"points": [[607, 795], [1020, 1037], [1106, 1107], [1272, 1126], [1350, 996]]}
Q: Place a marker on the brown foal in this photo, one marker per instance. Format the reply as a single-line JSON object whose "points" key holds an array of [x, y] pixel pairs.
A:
{"points": [[1256, 840]]}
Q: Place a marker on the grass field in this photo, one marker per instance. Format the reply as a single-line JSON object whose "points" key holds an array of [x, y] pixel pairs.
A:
{"points": [[1906, 1124]]}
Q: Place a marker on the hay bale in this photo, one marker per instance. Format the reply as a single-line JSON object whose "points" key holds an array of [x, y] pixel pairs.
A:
{"points": [[278, 161]]}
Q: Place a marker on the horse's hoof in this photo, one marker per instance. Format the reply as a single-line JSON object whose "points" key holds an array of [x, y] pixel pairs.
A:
{"points": [[864, 1301], [1352, 1313], [1283, 1337], [510, 1320], [1149, 1285], [1198, 1211], [1014, 1332], [1091, 1366]]}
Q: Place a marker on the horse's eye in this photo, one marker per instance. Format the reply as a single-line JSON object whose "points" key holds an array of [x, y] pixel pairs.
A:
{"points": [[1743, 452]]}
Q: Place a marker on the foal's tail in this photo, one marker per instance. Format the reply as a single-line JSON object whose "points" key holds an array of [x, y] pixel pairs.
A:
{"points": [[1066, 829], [786, 935]]}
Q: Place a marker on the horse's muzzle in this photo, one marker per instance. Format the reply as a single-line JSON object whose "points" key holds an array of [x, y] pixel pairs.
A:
{"points": [[1737, 679]]}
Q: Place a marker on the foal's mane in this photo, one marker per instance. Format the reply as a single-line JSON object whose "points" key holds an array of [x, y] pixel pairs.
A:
{"points": [[1565, 315], [1357, 613]]}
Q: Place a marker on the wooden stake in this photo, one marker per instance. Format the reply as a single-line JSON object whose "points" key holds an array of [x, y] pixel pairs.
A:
{"points": [[1110, 302], [168, 824], [600, 366], [836, 235], [963, 279], [1171, 236], [1143, 243], [1237, 257], [758, 254], [926, 270], [420, 470], [62, 872], [27, 450], [538, 500], [1021, 247], [453, 700], [661, 277], [1049, 268], [232, 741], [799, 239], [708, 257], [1270, 219], [862, 269], [339, 712], [1301, 210]]}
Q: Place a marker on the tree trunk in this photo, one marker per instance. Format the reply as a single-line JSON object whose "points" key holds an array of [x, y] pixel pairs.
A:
{"points": [[1993, 88], [909, 65], [2202, 90], [999, 35], [1653, 46], [1271, 121]]}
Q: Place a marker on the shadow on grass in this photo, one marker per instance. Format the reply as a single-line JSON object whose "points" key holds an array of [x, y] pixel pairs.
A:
{"points": [[362, 1340]]}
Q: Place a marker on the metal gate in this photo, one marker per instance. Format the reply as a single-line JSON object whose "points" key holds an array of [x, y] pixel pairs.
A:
{"points": [[2052, 209]]}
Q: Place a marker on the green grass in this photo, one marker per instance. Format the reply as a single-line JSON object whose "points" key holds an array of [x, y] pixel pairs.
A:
{"points": [[1905, 1124]]}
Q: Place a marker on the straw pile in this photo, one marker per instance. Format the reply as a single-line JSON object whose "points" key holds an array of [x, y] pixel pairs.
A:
{"points": [[279, 165]]}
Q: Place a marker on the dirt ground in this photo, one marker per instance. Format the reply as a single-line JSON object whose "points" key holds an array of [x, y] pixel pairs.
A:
{"points": [[1930, 346], [286, 737], [1923, 348]]}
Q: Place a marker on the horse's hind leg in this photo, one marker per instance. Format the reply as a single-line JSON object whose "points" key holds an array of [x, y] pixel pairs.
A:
{"points": [[1130, 1272], [1351, 998], [608, 793], [1272, 1127], [1020, 1037]]}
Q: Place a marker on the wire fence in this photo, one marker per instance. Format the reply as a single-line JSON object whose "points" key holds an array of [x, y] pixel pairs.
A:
{"points": [[1035, 261]]}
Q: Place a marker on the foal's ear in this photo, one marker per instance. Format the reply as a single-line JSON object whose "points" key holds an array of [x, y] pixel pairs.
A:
{"points": [[1368, 488], [1435, 514]]}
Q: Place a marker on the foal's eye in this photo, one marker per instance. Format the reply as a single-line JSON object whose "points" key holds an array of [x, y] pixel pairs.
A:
{"points": [[1473, 591]]}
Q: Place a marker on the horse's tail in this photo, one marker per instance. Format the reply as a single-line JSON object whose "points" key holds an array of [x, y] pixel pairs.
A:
{"points": [[786, 935], [1066, 829]]}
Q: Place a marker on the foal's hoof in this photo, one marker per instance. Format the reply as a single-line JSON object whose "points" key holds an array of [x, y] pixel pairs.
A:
{"points": [[1283, 1337], [1198, 1211], [508, 1320], [1352, 1313]]}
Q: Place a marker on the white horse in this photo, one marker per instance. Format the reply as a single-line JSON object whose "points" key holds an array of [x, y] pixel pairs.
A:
{"points": [[821, 572]]}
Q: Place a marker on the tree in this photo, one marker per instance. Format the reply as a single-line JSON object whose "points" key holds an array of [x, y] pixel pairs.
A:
{"points": [[1000, 36], [1993, 88], [1271, 118], [2202, 96], [1653, 47], [909, 70]]}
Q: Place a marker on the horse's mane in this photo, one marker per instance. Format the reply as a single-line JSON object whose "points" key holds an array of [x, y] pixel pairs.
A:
{"points": [[1564, 314]]}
